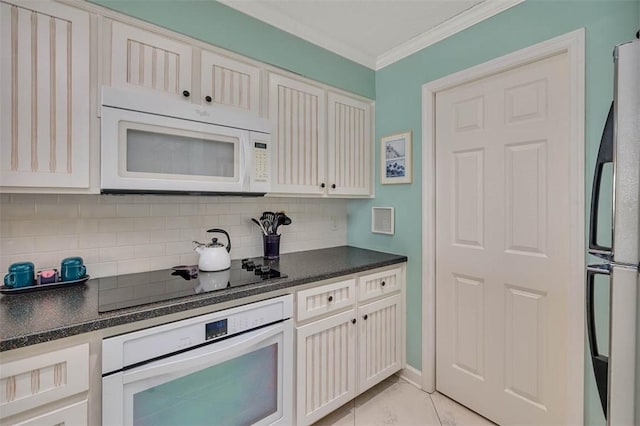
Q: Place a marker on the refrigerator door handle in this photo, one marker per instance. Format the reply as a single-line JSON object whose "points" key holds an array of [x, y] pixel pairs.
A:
{"points": [[600, 362], [605, 155]]}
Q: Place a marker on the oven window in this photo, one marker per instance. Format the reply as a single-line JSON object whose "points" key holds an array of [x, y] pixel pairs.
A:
{"points": [[150, 152], [240, 391]]}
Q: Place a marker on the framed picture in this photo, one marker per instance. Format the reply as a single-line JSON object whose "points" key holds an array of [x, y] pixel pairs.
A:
{"points": [[395, 158]]}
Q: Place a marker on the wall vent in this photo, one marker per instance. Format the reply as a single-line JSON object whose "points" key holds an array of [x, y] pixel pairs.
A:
{"points": [[382, 220]]}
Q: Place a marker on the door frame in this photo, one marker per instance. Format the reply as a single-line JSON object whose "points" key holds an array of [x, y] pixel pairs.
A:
{"points": [[572, 44]]}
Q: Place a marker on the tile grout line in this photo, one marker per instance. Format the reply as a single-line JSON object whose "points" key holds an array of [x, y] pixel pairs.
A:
{"points": [[435, 408]]}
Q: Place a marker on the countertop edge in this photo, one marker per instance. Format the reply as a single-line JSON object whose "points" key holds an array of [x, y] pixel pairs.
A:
{"points": [[164, 308]]}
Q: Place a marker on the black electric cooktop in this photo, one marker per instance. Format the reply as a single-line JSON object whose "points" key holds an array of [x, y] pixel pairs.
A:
{"points": [[125, 291]]}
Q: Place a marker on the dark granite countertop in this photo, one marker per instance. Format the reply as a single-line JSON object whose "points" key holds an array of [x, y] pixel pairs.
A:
{"points": [[41, 316]]}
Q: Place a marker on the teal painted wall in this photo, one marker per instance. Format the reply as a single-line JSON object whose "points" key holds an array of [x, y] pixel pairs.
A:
{"points": [[215, 23], [398, 108]]}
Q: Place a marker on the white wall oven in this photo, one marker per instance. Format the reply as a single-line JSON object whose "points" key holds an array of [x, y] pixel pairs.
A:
{"points": [[150, 144], [232, 367]]}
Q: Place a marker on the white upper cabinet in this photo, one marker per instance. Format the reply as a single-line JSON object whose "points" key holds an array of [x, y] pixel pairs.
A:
{"points": [[323, 140], [44, 95], [350, 145], [143, 59], [225, 81], [298, 114]]}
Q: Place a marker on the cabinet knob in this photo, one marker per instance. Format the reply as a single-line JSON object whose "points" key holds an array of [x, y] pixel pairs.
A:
{"points": [[322, 185], [208, 98], [186, 93], [333, 186], [382, 283], [365, 317], [330, 298], [353, 321]]}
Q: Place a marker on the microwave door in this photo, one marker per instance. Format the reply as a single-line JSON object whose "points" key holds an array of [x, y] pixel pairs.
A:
{"points": [[148, 153]]}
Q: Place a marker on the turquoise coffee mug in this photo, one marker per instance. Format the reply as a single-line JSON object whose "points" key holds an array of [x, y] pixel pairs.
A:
{"points": [[72, 269], [20, 275]]}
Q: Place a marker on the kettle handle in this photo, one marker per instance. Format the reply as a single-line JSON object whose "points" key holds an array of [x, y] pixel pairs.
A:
{"points": [[222, 231]]}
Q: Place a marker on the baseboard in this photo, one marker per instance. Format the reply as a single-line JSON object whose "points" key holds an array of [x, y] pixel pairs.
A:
{"points": [[411, 375]]}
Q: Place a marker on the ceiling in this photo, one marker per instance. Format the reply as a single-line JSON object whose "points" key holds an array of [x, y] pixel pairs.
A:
{"points": [[374, 33]]}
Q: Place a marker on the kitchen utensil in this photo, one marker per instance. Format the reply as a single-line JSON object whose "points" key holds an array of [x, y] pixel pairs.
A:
{"points": [[72, 268], [266, 225], [20, 275], [281, 219], [264, 231], [271, 246], [268, 219], [214, 256]]}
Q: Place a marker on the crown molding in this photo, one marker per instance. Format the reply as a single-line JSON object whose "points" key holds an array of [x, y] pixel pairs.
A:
{"points": [[283, 22], [469, 17], [460, 22]]}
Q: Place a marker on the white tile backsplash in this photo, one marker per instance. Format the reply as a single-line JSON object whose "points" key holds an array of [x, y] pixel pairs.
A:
{"points": [[137, 233]]}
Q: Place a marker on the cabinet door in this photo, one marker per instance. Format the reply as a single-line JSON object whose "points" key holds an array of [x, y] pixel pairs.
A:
{"points": [[349, 146], [379, 341], [228, 82], [297, 112], [143, 59], [326, 366], [72, 415], [44, 95]]}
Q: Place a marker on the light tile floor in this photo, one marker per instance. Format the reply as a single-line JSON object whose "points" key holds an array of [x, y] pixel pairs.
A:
{"points": [[397, 402]]}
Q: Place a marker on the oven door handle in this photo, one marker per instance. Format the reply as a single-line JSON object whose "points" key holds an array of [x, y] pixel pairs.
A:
{"points": [[193, 360]]}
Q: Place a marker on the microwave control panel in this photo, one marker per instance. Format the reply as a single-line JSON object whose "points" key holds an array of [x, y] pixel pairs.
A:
{"points": [[261, 162]]}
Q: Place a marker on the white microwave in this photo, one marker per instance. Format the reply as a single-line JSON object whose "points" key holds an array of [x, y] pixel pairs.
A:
{"points": [[150, 144]]}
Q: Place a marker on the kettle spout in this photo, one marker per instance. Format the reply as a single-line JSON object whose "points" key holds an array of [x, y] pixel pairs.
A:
{"points": [[199, 248]]}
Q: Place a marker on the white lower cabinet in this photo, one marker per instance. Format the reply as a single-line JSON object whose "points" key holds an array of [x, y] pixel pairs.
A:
{"points": [[326, 366], [36, 381], [346, 345], [379, 341]]}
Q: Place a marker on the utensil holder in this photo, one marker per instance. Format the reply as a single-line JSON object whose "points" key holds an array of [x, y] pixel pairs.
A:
{"points": [[271, 245]]}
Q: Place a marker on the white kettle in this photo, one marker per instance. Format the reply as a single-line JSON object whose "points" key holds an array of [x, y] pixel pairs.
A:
{"points": [[214, 256]]}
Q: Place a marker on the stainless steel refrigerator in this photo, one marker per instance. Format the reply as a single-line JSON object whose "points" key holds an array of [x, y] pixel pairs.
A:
{"points": [[614, 237]]}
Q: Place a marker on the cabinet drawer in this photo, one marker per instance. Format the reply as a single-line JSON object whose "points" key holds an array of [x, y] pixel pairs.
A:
{"points": [[321, 300], [75, 414], [378, 284], [41, 379]]}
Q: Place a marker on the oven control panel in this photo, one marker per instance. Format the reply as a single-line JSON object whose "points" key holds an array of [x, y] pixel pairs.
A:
{"points": [[132, 348], [215, 329]]}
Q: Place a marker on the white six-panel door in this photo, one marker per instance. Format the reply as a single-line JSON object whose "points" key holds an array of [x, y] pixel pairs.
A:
{"points": [[502, 243]]}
